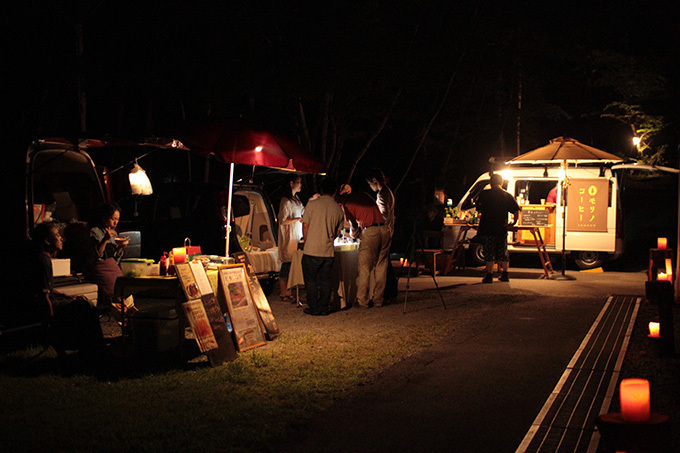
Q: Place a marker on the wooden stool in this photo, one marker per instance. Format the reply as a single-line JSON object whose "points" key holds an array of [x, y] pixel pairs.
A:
{"points": [[431, 257]]}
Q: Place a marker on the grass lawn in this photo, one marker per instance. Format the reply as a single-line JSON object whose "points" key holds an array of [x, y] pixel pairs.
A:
{"points": [[245, 405]]}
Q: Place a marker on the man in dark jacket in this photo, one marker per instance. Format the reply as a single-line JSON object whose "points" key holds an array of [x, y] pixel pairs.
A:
{"points": [[494, 204]]}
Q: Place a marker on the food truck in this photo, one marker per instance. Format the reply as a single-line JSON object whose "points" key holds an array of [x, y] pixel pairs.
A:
{"points": [[592, 209], [592, 212]]}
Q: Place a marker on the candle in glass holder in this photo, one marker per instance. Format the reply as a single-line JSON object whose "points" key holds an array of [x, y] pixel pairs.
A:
{"points": [[179, 255], [654, 329], [661, 243], [634, 396]]}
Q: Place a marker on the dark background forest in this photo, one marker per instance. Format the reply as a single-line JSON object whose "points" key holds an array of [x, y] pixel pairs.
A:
{"points": [[429, 91]]}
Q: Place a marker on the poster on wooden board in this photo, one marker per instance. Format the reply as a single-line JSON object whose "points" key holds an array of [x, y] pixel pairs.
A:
{"points": [[263, 308], [204, 314], [248, 330], [200, 325]]}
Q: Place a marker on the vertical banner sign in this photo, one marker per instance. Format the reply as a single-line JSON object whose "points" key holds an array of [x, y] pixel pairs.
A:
{"points": [[587, 203]]}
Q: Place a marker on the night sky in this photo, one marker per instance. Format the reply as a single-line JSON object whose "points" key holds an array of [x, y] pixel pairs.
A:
{"points": [[446, 74]]}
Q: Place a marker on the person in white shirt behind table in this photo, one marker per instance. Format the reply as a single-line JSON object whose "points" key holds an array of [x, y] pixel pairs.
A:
{"points": [[290, 232]]}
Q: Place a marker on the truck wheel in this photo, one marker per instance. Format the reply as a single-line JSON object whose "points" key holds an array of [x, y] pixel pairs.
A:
{"points": [[588, 260], [476, 254]]}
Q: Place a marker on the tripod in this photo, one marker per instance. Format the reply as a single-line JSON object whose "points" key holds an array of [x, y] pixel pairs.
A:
{"points": [[410, 258]]}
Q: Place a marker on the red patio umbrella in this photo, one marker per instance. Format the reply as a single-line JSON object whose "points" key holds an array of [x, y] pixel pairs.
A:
{"points": [[236, 142]]}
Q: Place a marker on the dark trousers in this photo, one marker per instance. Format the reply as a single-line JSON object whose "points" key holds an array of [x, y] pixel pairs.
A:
{"points": [[317, 273], [76, 326]]}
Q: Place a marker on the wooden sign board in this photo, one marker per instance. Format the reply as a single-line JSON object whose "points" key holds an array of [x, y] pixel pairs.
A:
{"points": [[204, 314], [248, 330], [263, 308]]}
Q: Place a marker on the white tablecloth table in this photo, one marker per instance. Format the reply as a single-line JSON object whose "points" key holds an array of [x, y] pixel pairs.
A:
{"points": [[265, 261]]}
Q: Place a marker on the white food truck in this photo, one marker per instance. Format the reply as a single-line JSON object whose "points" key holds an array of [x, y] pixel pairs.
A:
{"points": [[592, 210]]}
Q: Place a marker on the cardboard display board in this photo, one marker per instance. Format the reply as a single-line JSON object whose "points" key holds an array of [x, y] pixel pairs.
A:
{"points": [[204, 314], [263, 309], [248, 330]]}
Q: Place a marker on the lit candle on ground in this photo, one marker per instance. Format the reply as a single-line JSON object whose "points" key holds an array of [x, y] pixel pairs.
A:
{"points": [[661, 243], [662, 276], [654, 329], [634, 396]]}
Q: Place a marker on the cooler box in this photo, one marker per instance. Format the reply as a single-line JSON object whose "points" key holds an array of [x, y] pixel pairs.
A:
{"points": [[134, 247], [88, 290], [139, 267], [155, 331]]}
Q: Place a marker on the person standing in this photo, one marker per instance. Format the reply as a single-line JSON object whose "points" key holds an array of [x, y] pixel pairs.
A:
{"points": [[321, 223], [384, 197], [290, 232], [369, 226], [494, 204], [385, 201]]}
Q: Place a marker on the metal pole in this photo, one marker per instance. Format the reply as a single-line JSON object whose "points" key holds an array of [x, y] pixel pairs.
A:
{"points": [[677, 243], [231, 190], [563, 201]]}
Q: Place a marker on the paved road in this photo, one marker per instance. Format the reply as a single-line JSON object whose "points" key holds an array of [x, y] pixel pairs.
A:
{"points": [[482, 386]]}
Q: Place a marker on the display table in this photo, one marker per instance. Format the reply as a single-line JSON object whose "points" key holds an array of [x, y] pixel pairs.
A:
{"points": [[265, 261], [343, 275], [534, 230]]}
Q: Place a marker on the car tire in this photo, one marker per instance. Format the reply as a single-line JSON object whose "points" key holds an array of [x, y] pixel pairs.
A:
{"points": [[588, 260], [476, 254]]}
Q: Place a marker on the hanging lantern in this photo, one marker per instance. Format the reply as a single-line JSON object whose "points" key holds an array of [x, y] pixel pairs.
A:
{"points": [[139, 182]]}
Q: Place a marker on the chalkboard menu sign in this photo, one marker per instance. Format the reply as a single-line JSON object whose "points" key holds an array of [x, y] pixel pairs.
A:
{"points": [[535, 216]]}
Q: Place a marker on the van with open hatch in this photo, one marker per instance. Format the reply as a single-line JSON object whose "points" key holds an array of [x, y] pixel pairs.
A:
{"points": [[66, 181]]}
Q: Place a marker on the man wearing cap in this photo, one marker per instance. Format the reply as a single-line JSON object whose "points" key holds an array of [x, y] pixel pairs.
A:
{"points": [[368, 224], [494, 205]]}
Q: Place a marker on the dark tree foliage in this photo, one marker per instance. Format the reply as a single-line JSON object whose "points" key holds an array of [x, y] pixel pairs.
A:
{"points": [[328, 74]]}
